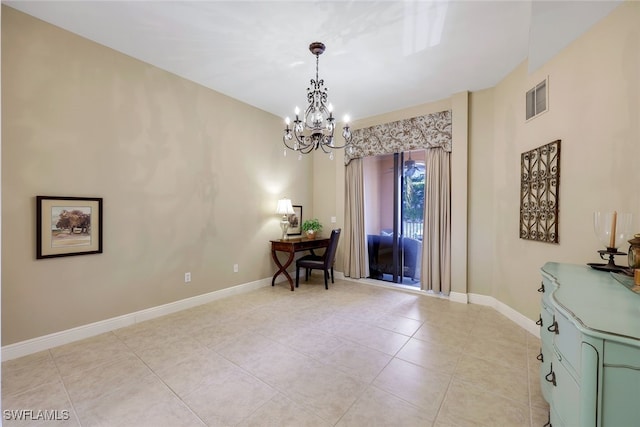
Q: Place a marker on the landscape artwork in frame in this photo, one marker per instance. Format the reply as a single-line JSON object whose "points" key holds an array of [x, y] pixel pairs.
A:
{"points": [[68, 226], [295, 221]]}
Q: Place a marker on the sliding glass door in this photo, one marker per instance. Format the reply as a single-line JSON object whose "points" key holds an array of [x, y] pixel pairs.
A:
{"points": [[394, 215]]}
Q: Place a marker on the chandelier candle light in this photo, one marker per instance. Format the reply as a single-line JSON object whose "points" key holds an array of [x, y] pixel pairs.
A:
{"points": [[315, 129]]}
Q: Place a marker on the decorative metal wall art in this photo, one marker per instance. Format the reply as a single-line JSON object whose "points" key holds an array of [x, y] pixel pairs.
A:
{"points": [[539, 193]]}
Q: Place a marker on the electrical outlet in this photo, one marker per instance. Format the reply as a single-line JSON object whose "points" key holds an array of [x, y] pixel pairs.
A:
{"points": [[235, 268], [333, 220], [187, 277]]}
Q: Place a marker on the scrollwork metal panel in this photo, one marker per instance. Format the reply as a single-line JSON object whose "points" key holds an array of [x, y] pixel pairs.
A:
{"points": [[539, 193]]}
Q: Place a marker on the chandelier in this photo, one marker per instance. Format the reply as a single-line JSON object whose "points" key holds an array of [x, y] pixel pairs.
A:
{"points": [[315, 129]]}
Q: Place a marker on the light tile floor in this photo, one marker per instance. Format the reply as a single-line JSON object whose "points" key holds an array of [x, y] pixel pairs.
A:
{"points": [[355, 355]]}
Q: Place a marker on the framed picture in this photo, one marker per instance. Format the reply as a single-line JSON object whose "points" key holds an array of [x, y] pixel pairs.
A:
{"points": [[68, 226], [295, 221]]}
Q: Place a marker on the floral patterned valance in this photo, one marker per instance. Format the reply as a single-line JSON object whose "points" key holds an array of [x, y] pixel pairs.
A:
{"points": [[429, 131]]}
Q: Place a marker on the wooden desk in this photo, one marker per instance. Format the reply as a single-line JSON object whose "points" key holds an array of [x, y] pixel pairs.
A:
{"points": [[291, 246]]}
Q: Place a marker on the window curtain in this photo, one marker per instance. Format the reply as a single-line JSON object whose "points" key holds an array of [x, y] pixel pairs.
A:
{"points": [[356, 261], [436, 238], [431, 132]]}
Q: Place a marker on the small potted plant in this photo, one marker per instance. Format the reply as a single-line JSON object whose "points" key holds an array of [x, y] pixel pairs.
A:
{"points": [[311, 228]]}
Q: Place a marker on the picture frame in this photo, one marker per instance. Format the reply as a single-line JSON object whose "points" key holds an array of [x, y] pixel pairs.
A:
{"points": [[67, 226], [295, 221]]}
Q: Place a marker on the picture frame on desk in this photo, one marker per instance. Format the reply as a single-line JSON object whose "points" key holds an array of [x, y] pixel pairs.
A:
{"points": [[67, 226], [295, 221]]}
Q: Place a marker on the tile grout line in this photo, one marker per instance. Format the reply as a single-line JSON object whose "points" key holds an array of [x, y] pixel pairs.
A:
{"points": [[169, 388], [64, 386]]}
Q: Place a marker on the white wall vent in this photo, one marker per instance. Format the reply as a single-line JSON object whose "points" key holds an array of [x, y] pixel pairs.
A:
{"points": [[537, 99]]}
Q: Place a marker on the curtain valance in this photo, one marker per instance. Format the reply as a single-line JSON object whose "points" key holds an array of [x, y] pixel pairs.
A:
{"points": [[429, 131]]}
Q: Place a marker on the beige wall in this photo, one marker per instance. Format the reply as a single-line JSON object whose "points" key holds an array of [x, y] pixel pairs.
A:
{"points": [[481, 222], [189, 177], [594, 108]]}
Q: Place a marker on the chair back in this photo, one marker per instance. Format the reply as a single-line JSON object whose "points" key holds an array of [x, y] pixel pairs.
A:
{"points": [[330, 253]]}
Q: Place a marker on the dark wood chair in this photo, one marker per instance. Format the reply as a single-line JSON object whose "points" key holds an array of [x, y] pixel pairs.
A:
{"points": [[322, 262]]}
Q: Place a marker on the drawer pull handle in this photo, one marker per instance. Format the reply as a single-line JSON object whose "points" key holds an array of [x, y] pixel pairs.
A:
{"points": [[541, 288], [551, 377], [540, 357], [553, 327], [539, 321]]}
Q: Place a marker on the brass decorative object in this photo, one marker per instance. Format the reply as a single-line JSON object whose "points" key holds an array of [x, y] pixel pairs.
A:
{"points": [[539, 193], [634, 252]]}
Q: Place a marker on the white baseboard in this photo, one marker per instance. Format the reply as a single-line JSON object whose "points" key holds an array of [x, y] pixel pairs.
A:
{"points": [[513, 315], [459, 297], [34, 345], [46, 342], [508, 312]]}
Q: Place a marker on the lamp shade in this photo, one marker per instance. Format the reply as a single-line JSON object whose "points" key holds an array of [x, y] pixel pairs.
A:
{"points": [[284, 207]]}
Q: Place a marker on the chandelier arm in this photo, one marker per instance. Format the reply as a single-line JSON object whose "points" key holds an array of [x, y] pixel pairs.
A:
{"points": [[305, 143], [306, 149], [284, 140], [326, 147], [338, 147]]}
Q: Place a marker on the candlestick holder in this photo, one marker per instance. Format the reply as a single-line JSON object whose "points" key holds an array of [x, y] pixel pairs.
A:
{"points": [[611, 265], [612, 229]]}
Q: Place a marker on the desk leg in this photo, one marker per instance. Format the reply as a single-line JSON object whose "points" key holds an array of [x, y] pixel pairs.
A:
{"points": [[282, 268]]}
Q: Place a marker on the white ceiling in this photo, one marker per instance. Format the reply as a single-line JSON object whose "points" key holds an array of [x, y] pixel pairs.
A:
{"points": [[381, 55]]}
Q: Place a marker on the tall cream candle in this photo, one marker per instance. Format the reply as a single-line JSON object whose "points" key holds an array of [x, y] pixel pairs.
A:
{"points": [[612, 237]]}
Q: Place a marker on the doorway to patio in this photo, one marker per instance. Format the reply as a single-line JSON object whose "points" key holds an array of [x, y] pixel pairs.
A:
{"points": [[394, 215]]}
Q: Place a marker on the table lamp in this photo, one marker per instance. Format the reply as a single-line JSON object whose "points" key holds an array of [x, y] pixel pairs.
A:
{"points": [[285, 209]]}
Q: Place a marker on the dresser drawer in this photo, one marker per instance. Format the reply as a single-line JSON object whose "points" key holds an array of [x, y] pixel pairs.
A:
{"points": [[568, 343], [546, 320], [546, 288], [545, 358], [547, 314], [621, 355], [566, 394]]}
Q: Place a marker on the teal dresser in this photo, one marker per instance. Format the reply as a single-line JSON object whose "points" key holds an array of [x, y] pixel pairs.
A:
{"points": [[590, 355]]}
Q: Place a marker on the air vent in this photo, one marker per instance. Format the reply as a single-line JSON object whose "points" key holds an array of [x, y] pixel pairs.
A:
{"points": [[537, 100]]}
